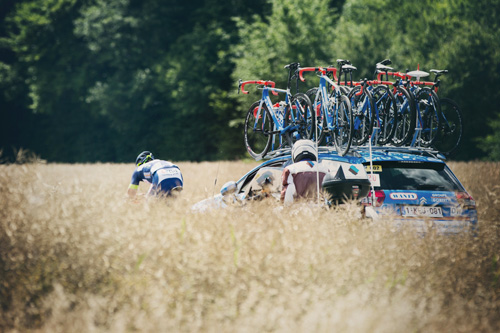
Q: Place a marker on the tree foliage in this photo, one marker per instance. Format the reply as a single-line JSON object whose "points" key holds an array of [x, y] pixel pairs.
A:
{"points": [[101, 80]]}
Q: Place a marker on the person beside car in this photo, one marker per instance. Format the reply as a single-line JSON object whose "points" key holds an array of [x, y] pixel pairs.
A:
{"points": [[164, 177], [300, 180]]}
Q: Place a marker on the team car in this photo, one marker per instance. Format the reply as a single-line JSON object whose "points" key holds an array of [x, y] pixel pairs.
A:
{"points": [[346, 179], [407, 185], [415, 187]]}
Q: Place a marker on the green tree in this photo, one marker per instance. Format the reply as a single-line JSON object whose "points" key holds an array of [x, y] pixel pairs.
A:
{"points": [[457, 35], [491, 143], [294, 31], [163, 73]]}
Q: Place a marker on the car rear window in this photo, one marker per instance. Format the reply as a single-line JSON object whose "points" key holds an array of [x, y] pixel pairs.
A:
{"points": [[414, 176]]}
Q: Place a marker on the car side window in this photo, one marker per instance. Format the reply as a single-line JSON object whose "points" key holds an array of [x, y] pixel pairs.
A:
{"points": [[275, 169]]}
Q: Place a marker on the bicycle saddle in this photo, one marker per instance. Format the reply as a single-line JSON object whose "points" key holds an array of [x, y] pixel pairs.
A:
{"points": [[342, 62], [385, 62], [348, 68], [384, 68], [418, 74], [293, 65], [439, 71]]}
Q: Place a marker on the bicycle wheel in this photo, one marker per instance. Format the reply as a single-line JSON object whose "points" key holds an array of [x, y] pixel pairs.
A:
{"points": [[300, 117], [320, 124], [343, 126], [428, 103], [363, 110], [450, 127], [345, 90], [311, 93], [387, 109], [405, 117], [258, 130]]}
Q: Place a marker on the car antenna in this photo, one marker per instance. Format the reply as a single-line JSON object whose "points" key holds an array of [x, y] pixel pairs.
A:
{"points": [[317, 162], [371, 170]]}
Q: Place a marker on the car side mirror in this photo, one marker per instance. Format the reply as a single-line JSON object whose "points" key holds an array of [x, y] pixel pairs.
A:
{"points": [[228, 188]]}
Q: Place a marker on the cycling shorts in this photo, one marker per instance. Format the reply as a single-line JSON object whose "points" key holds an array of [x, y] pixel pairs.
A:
{"points": [[165, 180]]}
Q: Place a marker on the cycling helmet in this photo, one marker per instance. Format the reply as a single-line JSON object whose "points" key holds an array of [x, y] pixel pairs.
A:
{"points": [[303, 149], [144, 157]]}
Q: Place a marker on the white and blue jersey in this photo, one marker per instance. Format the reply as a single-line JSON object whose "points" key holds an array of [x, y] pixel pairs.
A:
{"points": [[163, 175]]}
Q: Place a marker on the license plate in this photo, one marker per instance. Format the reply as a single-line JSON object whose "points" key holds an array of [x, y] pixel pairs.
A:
{"points": [[422, 211]]}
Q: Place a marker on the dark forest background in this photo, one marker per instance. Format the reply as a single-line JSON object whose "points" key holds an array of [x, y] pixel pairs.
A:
{"points": [[102, 80]]}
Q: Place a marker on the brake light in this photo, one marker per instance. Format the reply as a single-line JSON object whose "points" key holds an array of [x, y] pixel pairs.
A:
{"points": [[379, 198], [465, 200]]}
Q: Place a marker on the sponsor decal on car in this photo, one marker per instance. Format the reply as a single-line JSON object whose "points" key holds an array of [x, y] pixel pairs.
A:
{"points": [[440, 197], [403, 196], [376, 168], [374, 179]]}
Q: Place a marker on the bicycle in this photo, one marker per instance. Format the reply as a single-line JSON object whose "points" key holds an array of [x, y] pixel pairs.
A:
{"points": [[449, 134], [427, 107], [288, 120], [362, 103], [386, 105], [373, 105], [333, 111], [417, 110]]}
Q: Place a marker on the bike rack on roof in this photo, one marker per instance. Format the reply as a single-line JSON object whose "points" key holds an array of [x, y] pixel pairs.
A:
{"points": [[355, 151], [430, 152]]}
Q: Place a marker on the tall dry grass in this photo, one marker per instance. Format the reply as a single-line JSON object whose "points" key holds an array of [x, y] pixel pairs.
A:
{"points": [[76, 256]]}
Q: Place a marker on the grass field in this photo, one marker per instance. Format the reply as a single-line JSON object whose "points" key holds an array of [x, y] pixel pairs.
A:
{"points": [[76, 256]]}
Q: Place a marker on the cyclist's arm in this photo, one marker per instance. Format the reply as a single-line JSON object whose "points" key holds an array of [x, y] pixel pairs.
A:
{"points": [[134, 183], [132, 190], [288, 190]]}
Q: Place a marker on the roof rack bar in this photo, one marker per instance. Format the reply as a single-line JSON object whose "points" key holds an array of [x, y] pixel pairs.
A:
{"points": [[355, 151]]}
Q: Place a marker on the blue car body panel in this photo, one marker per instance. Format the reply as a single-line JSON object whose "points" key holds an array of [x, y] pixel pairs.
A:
{"points": [[403, 206]]}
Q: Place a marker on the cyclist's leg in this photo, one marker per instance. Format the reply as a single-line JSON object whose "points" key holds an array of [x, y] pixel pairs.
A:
{"points": [[165, 180]]}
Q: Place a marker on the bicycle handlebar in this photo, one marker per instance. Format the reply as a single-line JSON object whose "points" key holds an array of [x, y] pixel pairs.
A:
{"points": [[264, 83], [322, 70]]}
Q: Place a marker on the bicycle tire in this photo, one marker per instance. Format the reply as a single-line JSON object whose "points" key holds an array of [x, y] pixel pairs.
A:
{"points": [[363, 119], [345, 90], [451, 129], [302, 116], [405, 118], [343, 129], [320, 124], [387, 109], [428, 102], [257, 142]]}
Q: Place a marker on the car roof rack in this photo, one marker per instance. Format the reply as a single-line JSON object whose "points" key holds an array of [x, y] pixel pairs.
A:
{"points": [[423, 151], [356, 151]]}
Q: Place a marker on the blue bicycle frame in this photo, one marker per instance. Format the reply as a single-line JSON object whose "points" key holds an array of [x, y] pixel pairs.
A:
{"points": [[419, 126], [326, 104], [278, 119]]}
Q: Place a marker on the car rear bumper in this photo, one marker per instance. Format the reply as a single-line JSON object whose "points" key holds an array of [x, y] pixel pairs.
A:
{"points": [[442, 225]]}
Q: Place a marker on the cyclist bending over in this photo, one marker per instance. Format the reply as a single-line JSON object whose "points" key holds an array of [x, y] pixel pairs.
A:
{"points": [[163, 176], [300, 179]]}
